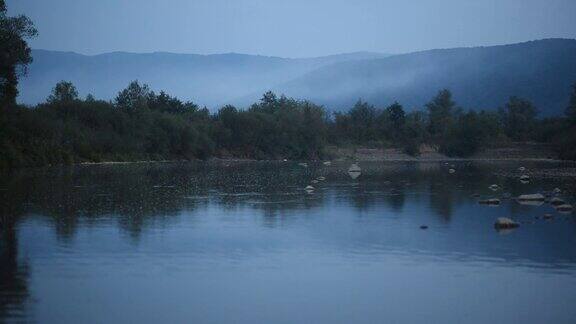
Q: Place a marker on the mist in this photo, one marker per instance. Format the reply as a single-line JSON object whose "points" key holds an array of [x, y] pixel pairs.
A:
{"points": [[208, 80]]}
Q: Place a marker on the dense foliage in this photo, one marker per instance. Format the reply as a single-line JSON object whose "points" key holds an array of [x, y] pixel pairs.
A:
{"points": [[15, 54], [142, 125]]}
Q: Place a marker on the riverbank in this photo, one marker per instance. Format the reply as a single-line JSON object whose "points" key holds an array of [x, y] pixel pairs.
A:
{"points": [[510, 152]]}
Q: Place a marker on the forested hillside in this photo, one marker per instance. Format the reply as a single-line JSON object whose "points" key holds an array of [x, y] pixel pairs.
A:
{"points": [[480, 77]]}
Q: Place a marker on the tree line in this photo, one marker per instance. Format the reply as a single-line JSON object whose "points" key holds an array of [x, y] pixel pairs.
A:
{"points": [[140, 124], [454, 131]]}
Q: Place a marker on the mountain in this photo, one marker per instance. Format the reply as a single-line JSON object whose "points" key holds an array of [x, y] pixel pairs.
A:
{"points": [[210, 80], [480, 77]]}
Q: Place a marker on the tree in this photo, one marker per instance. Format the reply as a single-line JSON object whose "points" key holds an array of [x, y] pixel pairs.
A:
{"points": [[15, 54], [414, 133], [397, 118], [396, 114], [571, 109], [229, 127], [165, 103], [518, 119], [135, 96], [63, 92], [465, 137], [363, 122], [268, 103], [90, 98], [441, 113]]}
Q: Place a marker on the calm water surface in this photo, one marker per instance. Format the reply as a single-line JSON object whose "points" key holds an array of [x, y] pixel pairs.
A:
{"points": [[245, 243]]}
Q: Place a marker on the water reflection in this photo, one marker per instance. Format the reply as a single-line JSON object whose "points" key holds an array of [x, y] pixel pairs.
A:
{"points": [[14, 274], [210, 208]]}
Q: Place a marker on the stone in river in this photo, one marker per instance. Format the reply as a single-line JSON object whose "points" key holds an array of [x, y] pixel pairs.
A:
{"points": [[505, 223], [532, 197]]}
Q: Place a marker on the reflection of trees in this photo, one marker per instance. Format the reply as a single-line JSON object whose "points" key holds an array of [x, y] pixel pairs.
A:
{"points": [[14, 273], [396, 199], [138, 196], [441, 200]]}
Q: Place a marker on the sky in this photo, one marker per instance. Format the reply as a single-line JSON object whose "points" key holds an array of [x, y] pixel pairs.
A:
{"points": [[291, 28]]}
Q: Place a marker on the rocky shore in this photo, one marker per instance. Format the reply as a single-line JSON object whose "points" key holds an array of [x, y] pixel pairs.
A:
{"points": [[509, 152]]}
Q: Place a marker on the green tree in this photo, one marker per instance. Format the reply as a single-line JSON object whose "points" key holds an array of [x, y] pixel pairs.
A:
{"points": [[441, 112], [465, 137], [63, 92], [135, 96], [414, 133], [563, 132], [268, 103], [395, 115], [519, 119], [229, 127], [15, 54], [363, 122], [571, 109], [166, 103]]}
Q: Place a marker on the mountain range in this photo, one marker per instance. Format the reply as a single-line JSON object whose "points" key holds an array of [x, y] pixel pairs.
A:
{"points": [[479, 77]]}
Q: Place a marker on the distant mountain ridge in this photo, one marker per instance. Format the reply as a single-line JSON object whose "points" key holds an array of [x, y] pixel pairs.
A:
{"points": [[210, 80], [480, 77]]}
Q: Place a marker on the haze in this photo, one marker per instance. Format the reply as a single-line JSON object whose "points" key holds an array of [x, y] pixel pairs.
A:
{"points": [[297, 28]]}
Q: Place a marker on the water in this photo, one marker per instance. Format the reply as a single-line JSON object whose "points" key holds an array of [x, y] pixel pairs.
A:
{"points": [[245, 243]]}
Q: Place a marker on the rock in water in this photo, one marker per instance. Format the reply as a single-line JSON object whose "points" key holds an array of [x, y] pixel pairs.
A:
{"points": [[451, 170], [494, 187], [354, 171], [557, 202], [505, 223], [566, 208], [327, 163], [493, 201], [532, 197], [535, 203], [354, 168], [522, 169], [309, 188], [524, 178], [424, 227]]}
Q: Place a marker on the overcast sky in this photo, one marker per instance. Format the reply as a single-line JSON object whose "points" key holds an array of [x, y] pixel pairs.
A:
{"points": [[291, 28]]}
